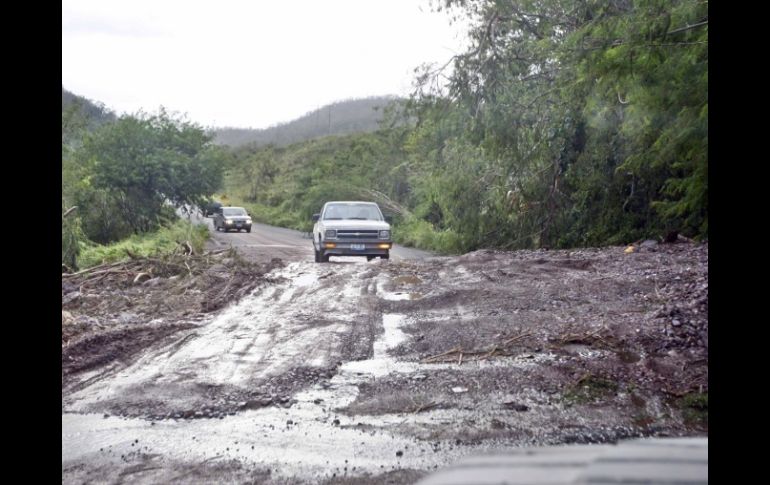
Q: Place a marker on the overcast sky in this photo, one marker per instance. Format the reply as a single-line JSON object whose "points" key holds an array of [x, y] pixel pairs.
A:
{"points": [[247, 63]]}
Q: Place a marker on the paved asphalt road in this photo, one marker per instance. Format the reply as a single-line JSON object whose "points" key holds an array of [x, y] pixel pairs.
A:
{"points": [[265, 242]]}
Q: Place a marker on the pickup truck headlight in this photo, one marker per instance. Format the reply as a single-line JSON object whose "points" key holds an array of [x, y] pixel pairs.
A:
{"points": [[385, 234], [248, 221], [330, 234], [228, 221]]}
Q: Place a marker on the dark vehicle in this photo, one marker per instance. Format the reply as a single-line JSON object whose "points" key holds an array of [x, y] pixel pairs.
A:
{"points": [[212, 208], [227, 218]]}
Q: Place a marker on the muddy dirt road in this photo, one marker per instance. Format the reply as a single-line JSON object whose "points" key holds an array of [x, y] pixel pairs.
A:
{"points": [[382, 371]]}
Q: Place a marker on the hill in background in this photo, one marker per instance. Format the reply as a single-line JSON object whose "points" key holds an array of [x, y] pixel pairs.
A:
{"points": [[340, 118], [96, 113]]}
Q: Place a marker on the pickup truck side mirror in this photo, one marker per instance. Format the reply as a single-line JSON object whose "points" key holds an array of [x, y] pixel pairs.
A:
{"points": [[389, 219], [316, 217]]}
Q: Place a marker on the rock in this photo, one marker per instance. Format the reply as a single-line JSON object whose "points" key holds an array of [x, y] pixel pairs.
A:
{"points": [[336, 422], [153, 282], [459, 389], [126, 317], [399, 453], [676, 323], [70, 297], [67, 318], [516, 406]]}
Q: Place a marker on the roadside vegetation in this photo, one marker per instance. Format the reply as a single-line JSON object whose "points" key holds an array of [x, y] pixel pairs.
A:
{"points": [[177, 236], [564, 124], [123, 179]]}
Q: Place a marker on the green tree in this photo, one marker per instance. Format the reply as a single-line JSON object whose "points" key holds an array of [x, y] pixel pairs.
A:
{"points": [[144, 165], [591, 118]]}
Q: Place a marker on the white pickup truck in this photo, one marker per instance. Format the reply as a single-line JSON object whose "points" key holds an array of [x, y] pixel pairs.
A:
{"points": [[351, 228]]}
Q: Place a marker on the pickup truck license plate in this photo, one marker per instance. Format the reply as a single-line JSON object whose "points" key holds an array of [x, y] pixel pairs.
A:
{"points": [[358, 247]]}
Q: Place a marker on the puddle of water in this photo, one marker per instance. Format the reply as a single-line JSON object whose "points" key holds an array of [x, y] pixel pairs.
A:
{"points": [[381, 364], [305, 279], [582, 350], [319, 447], [400, 295], [394, 296], [407, 280]]}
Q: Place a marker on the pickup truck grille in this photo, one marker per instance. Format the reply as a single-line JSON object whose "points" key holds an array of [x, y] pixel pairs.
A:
{"points": [[359, 234]]}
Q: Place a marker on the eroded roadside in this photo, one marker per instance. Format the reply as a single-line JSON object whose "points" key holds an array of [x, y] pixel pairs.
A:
{"points": [[380, 372]]}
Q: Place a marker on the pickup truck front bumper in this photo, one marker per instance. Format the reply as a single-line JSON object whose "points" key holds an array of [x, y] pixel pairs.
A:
{"points": [[356, 248]]}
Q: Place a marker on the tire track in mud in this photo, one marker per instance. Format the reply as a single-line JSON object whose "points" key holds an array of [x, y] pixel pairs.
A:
{"points": [[312, 319]]}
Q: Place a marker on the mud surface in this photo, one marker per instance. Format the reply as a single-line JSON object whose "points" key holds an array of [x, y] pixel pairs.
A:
{"points": [[380, 372]]}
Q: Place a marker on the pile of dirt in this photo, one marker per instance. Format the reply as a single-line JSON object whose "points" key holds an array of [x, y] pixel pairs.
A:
{"points": [[111, 311], [585, 329]]}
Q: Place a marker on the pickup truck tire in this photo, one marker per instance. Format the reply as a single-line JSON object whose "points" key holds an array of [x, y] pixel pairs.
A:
{"points": [[248, 230], [385, 256], [369, 258], [317, 256]]}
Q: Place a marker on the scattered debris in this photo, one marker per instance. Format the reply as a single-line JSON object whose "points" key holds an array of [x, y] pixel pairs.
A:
{"points": [[500, 349]]}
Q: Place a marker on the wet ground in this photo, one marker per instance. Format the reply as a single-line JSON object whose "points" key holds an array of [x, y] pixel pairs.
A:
{"points": [[382, 371]]}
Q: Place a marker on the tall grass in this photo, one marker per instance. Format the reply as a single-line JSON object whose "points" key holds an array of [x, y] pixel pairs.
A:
{"points": [[163, 241], [421, 234]]}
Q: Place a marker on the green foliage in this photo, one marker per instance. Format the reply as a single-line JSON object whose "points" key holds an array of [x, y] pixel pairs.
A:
{"points": [[139, 167], [592, 120], [695, 408], [420, 233], [590, 389], [286, 186], [563, 124], [71, 238], [126, 176], [163, 241]]}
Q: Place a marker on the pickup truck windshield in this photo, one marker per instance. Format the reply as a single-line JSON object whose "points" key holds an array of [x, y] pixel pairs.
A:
{"points": [[233, 211], [364, 212]]}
